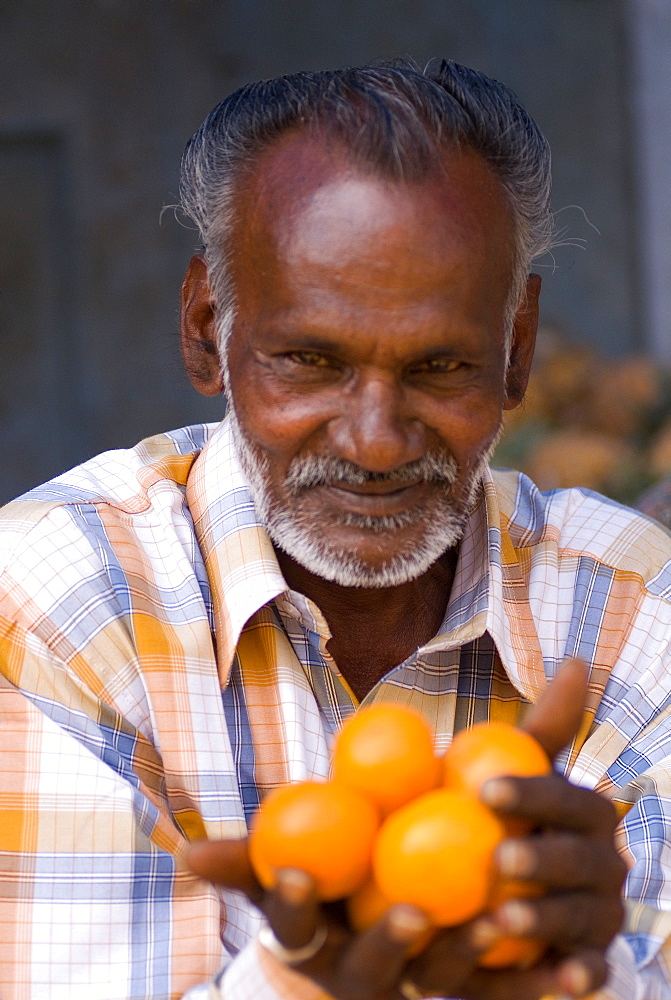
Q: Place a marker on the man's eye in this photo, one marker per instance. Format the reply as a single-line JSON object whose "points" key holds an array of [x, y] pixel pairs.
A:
{"points": [[311, 359], [437, 366]]}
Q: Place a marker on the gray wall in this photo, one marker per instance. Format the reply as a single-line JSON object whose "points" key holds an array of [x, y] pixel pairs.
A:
{"points": [[649, 31], [97, 100]]}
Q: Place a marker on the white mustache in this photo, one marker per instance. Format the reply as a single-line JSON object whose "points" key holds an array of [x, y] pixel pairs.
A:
{"points": [[328, 470]]}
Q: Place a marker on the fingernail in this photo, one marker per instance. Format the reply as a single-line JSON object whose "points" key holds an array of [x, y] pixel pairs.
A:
{"points": [[484, 933], [515, 859], [405, 923], [516, 917], [295, 886], [575, 978], [499, 793]]}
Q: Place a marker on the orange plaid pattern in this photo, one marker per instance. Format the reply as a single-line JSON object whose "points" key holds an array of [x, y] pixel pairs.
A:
{"points": [[158, 677]]}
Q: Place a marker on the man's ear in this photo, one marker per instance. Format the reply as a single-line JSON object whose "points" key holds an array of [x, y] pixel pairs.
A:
{"points": [[198, 336], [522, 346]]}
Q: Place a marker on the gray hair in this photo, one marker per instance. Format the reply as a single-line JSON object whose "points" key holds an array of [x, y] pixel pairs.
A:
{"points": [[394, 120]]}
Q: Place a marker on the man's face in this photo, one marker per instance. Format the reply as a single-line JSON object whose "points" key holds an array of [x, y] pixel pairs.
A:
{"points": [[366, 367]]}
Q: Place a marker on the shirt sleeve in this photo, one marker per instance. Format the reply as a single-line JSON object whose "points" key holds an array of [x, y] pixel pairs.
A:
{"points": [[625, 982], [98, 801], [258, 975], [90, 906], [94, 900], [641, 962]]}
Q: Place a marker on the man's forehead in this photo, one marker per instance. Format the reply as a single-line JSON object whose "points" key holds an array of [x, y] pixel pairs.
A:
{"points": [[312, 176]]}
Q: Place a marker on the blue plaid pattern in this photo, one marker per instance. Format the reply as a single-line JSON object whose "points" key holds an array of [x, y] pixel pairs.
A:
{"points": [[158, 677]]}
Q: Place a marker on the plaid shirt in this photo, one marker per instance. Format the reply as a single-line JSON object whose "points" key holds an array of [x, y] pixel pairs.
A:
{"points": [[158, 677]]}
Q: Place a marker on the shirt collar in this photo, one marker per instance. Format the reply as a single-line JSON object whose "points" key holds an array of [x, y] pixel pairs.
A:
{"points": [[489, 592], [510, 620], [241, 564]]}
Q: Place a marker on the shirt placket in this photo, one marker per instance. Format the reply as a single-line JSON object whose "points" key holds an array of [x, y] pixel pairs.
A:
{"points": [[308, 633]]}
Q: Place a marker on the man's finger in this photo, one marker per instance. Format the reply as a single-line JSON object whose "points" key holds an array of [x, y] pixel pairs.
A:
{"points": [[581, 973], [576, 976], [555, 719], [375, 960], [225, 862], [563, 920], [562, 861], [292, 908], [551, 800]]}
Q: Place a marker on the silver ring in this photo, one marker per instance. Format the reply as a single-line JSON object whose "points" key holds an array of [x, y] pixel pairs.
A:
{"points": [[410, 990], [293, 956]]}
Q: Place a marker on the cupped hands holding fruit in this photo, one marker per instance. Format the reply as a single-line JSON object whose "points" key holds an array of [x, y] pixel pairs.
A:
{"points": [[483, 876]]}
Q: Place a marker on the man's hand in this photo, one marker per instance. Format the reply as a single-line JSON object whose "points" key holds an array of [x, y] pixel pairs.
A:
{"points": [[349, 966], [572, 856]]}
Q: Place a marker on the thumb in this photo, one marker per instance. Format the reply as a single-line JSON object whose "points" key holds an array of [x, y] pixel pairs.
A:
{"points": [[225, 862], [556, 717]]}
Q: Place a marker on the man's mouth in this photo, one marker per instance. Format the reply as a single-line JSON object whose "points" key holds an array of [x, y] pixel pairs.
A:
{"points": [[375, 499], [375, 487]]}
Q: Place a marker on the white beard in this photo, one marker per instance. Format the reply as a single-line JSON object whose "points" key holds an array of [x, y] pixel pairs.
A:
{"points": [[294, 528]]}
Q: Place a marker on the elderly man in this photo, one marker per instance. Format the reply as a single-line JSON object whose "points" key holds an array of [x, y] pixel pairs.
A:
{"points": [[185, 625]]}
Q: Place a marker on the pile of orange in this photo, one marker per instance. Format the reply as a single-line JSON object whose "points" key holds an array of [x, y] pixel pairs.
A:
{"points": [[396, 823]]}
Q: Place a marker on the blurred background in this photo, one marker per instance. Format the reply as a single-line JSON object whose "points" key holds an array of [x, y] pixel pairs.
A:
{"points": [[97, 99]]}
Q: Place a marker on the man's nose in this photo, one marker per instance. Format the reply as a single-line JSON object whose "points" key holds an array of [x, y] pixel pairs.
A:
{"points": [[374, 428]]}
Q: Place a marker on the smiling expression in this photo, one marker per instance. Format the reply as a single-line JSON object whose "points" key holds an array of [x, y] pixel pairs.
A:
{"points": [[367, 364]]}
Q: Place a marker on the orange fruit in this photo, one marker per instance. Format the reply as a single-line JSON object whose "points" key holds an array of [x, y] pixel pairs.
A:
{"points": [[326, 830], [386, 751], [436, 852], [368, 904], [508, 951], [492, 750]]}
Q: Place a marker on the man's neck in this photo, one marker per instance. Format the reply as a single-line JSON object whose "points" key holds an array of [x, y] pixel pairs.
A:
{"points": [[375, 629]]}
